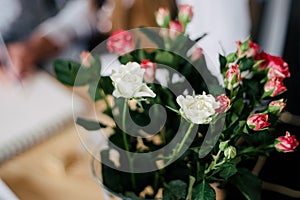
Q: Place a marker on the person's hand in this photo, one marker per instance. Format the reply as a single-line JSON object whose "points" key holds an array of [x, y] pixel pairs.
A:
{"points": [[23, 59], [26, 55]]}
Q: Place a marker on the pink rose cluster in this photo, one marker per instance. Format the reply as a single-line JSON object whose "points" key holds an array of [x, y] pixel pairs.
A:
{"points": [[275, 67], [175, 27]]}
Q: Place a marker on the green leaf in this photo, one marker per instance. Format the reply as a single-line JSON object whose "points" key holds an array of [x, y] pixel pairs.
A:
{"points": [[106, 85], [66, 72], [89, 124], [246, 63], [231, 57], [153, 36], [228, 171], [223, 145], [201, 37], [245, 46], [164, 57], [238, 106], [223, 63], [203, 191], [247, 183], [175, 190]]}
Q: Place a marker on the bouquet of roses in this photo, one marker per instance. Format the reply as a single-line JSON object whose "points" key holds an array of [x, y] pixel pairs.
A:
{"points": [[177, 131]]}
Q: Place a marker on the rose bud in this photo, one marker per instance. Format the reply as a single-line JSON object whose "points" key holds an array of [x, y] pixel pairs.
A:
{"points": [[163, 17], [258, 122], [230, 152], [150, 68], [224, 103], [86, 58], [175, 29], [233, 77], [277, 67], [185, 14], [286, 143], [275, 107], [248, 50], [196, 54], [120, 42], [274, 86]]}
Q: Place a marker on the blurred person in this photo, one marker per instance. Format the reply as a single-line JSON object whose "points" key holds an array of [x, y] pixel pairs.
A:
{"points": [[36, 30]]}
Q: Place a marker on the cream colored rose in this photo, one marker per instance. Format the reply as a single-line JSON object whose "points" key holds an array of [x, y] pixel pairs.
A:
{"points": [[128, 82], [197, 109]]}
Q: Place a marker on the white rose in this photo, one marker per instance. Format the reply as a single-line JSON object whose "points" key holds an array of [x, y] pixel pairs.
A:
{"points": [[197, 109], [128, 82]]}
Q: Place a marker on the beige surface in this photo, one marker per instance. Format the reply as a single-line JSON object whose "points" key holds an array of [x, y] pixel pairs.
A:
{"points": [[57, 169]]}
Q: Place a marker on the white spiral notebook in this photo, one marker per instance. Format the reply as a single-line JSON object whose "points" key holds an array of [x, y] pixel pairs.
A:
{"points": [[6, 193], [31, 112]]}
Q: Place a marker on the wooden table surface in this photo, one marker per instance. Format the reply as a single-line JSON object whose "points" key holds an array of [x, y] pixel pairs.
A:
{"points": [[56, 169]]}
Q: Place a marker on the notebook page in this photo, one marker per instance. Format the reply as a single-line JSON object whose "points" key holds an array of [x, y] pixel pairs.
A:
{"points": [[33, 111]]}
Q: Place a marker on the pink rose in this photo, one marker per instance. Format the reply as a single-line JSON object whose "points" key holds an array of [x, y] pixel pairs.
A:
{"points": [[258, 122], [85, 58], [275, 64], [163, 17], [224, 103], [274, 86], [175, 28], [251, 51], [150, 68], [277, 67], [196, 54], [286, 143], [263, 56], [120, 42], [185, 14], [233, 77], [276, 107]]}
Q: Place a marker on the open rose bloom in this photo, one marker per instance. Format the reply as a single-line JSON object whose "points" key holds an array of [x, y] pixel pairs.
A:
{"points": [[128, 82], [198, 109], [287, 143]]}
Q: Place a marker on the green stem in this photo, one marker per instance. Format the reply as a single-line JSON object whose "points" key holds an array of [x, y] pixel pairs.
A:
{"points": [[187, 135], [213, 164], [177, 150], [130, 160]]}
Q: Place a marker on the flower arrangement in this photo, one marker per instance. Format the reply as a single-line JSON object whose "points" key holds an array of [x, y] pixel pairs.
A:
{"points": [[177, 129]]}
